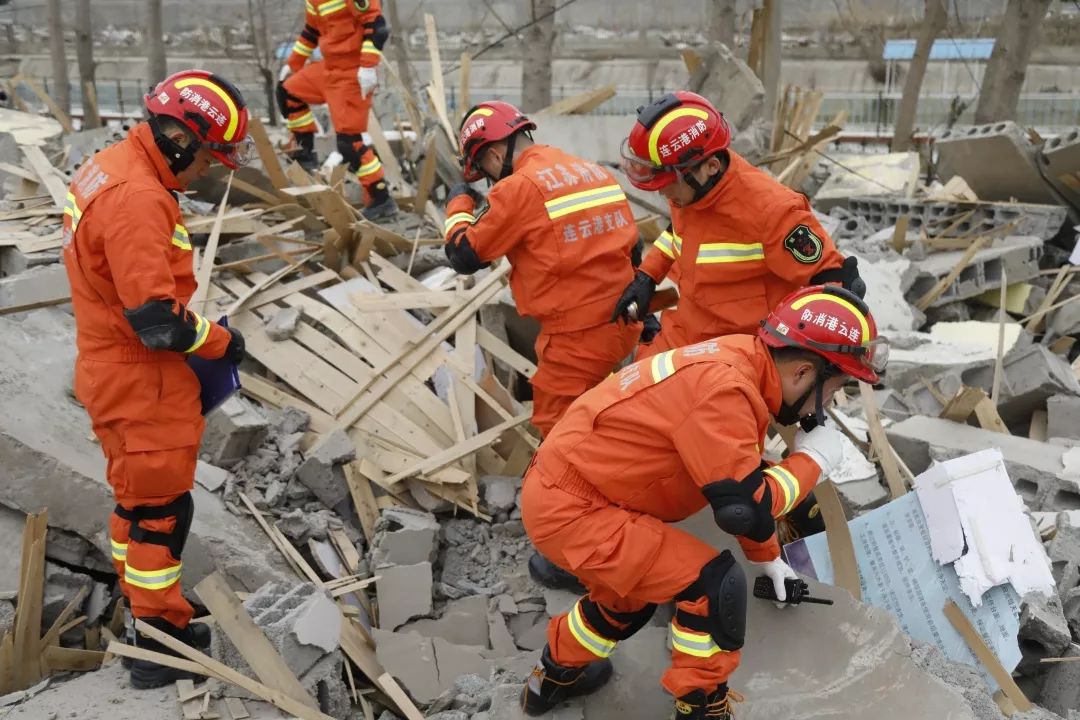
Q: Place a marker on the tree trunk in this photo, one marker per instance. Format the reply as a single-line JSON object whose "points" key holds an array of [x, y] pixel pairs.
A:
{"points": [[934, 20], [539, 40], [61, 93], [720, 19], [1005, 72], [771, 53], [84, 50], [399, 45], [155, 43]]}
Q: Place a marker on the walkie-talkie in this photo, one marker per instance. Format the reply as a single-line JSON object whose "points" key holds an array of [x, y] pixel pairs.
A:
{"points": [[797, 591]]}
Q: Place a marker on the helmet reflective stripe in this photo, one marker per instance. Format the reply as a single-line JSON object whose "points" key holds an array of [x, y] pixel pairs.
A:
{"points": [[225, 98], [798, 305], [486, 112], [654, 134]]}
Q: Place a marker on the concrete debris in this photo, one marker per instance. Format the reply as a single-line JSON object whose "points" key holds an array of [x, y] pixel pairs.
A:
{"points": [[404, 592], [1063, 416], [404, 537], [1061, 687], [321, 471], [1042, 221], [729, 82], [36, 287], [1033, 374], [481, 559], [868, 176], [499, 492], [233, 431], [463, 622], [1018, 256], [427, 667], [210, 476], [1044, 633], [282, 324], [887, 280]]}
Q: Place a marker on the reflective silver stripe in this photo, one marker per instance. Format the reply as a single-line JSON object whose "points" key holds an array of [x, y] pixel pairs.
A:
{"points": [[300, 121], [729, 252], [180, 238], [331, 7], [695, 644], [583, 200], [370, 168], [665, 245], [152, 579], [662, 365], [455, 219], [598, 646]]}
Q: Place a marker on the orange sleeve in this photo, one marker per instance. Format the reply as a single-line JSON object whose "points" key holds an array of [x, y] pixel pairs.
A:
{"points": [[370, 52], [791, 481], [796, 245], [137, 246], [306, 41], [659, 260], [498, 225]]}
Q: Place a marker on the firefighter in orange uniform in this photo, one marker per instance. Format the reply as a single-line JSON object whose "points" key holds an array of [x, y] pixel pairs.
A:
{"points": [[567, 230], [128, 259], [351, 35], [741, 241], [661, 440]]}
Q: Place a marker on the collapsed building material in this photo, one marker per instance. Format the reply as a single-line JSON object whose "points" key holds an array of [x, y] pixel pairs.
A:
{"points": [[998, 160], [895, 174], [427, 667], [1060, 161], [1042, 221], [404, 592], [887, 281], [404, 537], [1018, 256], [40, 287], [233, 431], [1032, 375]]}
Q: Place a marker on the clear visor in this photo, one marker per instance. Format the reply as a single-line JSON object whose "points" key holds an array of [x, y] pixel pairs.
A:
{"points": [[637, 168], [876, 356], [234, 154]]}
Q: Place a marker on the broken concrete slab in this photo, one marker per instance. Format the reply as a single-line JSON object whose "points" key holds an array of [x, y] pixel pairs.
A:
{"points": [[499, 492], [1033, 466], [865, 175], [1032, 375], [404, 537], [321, 472], [729, 83], [1061, 688], [210, 476], [1044, 633], [887, 280], [404, 593], [913, 356], [501, 640], [1060, 160], [426, 667], [235, 429], [998, 161], [61, 586], [463, 622], [1063, 416], [1043, 221], [1016, 255], [37, 287], [14, 262], [282, 325]]}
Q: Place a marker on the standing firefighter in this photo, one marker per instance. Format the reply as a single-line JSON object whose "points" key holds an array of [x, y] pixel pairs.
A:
{"points": [[351, 35], [128, 260], [656, 443], [739, 239]]}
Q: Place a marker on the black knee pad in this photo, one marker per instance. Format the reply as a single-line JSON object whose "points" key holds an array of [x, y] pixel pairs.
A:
{"points": [[735, 510], [723, 582], [287, 103], [351, 147], [633, 621], [182, 508]]}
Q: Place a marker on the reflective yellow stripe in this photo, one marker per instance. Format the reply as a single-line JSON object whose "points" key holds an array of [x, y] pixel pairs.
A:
{"points": [[234, 114], [598, 646], [301, 49], [202, 331], [309, 7], [369, 47], [658, 128], [152, 579], [455, 219], [584, 200], [331, 7], [665, 244], [369, 169], [691, 643], [788, 483], [71, 208], [300, 121], [798, 304], [662, 365], [710, 253], [180, 238], [119, 550]]}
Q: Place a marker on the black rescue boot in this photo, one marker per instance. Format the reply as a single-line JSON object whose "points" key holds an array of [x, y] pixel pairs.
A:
{"points": [[304, 153], [146, 675], [550, 684], [717, 705], [551, 576], [381, 204]]}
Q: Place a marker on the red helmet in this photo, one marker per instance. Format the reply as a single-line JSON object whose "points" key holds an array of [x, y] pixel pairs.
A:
{"points": [[211, 108], [672, 135], [484, 124], [835, 324]]}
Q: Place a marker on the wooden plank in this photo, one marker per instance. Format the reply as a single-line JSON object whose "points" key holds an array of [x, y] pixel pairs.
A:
{"points": [[263, 391], [190, 698], [61, 116], [881, 443], [691, 60], [463, 94], [986, 413], [275, 537], [1038, 428], [427, 177], [986, 656], [52, 636], [349, 556], [364, 499], [391, 166], [943, 284], [404, 300], [137, 653], [270, 162], [248, 639], [58, 659], [284, 290], [436, 90], [838, 537], [504, 352], [206, 267], [236, 708], [47, 173], [899, 236], [582, 103], [28, 611], [269, 280]]}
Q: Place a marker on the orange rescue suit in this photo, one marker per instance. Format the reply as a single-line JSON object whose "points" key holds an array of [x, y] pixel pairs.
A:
{"points": [[633, 455], [737, 252], [567, 229], [125, 245]]}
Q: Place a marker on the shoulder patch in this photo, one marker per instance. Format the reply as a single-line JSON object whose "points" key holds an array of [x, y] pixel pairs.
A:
{"points": [[803, 244], [478, 212]]}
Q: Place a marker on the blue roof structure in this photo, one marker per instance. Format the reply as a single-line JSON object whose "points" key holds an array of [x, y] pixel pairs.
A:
{"points": [[943, 49]]}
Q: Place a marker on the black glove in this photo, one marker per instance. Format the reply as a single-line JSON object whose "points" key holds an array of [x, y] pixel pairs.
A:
{"points": [[235, 352], [651, 330], [637, 294], [463, 188]]}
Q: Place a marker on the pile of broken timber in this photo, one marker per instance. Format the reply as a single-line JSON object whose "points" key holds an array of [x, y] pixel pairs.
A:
{"points": [[26, 657]]}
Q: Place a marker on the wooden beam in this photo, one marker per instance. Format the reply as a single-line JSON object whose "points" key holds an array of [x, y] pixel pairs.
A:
{"points": [[248, 639], [986, 656], [437, 88], [61, 116], [270, 162], [466, 69], [838, 537], [268, 281], [881, 442], [580, 104], [427, 177], [202, 278], [47, 174], [367, 512], [391, 166]]}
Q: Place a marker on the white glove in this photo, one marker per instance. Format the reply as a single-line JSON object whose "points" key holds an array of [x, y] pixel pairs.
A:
{"points": [[369, 80], [776, 570], [825, 445], [286, 71]]}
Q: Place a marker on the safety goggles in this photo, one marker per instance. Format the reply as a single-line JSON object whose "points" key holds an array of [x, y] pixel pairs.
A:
{"points": [[641, 171], [233, 155]]}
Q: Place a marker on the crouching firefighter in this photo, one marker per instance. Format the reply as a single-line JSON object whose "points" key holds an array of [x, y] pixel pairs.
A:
{"points": [[657, 442], [128, 259]]}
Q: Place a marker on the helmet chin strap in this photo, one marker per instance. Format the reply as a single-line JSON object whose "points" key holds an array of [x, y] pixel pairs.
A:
{"points": [[178, 157], [701, 189], [789, 414], [507, 168]]}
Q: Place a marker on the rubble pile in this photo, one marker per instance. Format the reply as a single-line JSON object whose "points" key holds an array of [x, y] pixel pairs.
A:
{"points": [[358, 540]]}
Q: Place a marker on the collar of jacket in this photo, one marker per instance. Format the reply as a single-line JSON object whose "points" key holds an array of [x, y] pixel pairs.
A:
{"points": [[142, 137], [526, 154], [736, 166], [768, 377]]}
